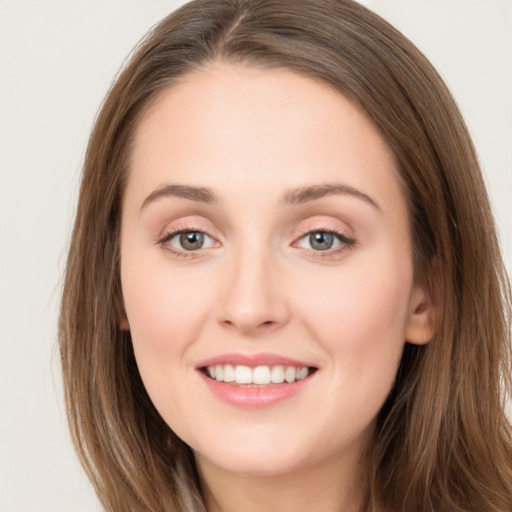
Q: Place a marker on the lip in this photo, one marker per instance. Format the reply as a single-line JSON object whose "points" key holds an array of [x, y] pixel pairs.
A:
{"points": [[252, 360], [253, 396]]}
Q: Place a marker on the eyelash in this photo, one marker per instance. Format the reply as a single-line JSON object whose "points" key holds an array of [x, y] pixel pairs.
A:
{"points": [[347, 242], [183, 254]]}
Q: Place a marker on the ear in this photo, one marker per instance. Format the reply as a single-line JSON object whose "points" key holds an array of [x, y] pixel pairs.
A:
{"points": [[120, 312], [123, 323], [422, 320]]}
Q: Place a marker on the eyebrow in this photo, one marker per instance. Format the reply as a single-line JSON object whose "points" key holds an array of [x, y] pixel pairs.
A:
{"points": [[313, 192], [200, 194], [294, 196]]}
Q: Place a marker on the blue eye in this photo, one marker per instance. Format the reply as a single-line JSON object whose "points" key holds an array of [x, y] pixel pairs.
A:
{"points": [[324, 240], [189, 240]]}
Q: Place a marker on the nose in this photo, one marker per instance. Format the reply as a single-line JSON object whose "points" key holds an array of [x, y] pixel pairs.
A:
{"points": [[253, 302]]}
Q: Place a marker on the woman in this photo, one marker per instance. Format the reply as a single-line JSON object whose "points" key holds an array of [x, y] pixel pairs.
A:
{"points": [[284, 287]]}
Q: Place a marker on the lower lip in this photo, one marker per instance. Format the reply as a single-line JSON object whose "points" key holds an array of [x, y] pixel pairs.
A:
{"points": [[254, 397]]}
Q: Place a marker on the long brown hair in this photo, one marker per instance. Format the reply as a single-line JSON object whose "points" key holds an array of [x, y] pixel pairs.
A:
{"points": [[442, 441]]}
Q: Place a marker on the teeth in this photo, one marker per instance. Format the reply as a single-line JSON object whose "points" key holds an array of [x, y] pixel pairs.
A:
{"points": [[261, 375], [290, 374], [277, 374], [229, 373], [302, 373], [243, 375]]}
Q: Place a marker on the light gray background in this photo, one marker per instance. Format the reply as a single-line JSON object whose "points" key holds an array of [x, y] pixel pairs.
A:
{"points": [[57, 59]]}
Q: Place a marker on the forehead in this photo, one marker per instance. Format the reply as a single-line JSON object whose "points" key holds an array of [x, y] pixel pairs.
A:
{"points": [[225, 124]]}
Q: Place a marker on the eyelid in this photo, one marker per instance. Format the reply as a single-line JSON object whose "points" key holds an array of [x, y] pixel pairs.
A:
{"points": [[339, 234], [346, 242], [169, 233], [192, 222], [174, 234]]}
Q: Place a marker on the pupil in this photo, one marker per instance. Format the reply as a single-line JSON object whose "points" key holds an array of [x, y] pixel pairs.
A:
{"points": [[191, 240], [321, 241]]}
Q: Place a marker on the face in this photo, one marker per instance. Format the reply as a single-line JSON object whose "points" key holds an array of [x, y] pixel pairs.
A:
{"points": [[266, 269]]}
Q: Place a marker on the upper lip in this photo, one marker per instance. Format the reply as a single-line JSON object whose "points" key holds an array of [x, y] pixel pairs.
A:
{"points": [[253, 360]]}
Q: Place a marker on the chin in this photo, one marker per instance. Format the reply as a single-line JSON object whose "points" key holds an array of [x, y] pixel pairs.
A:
{"points": [[253, 463], [261, 452]]}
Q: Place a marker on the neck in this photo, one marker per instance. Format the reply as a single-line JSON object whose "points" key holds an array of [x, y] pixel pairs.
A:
{"points": [[330, 488]]}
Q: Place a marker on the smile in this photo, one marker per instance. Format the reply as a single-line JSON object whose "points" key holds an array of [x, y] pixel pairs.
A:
{"points": [[260, 375], [255, 381]]}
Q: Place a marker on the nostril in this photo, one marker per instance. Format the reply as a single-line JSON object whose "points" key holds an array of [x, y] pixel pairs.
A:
{"points": [[248, 326]]}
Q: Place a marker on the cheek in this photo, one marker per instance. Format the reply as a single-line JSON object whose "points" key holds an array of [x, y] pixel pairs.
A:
{"points": [[360, 324], [359, 315], [166, 313]]}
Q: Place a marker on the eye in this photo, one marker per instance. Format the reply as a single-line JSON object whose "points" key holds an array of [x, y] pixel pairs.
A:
{"points": [[188, 240], [324, 240]]}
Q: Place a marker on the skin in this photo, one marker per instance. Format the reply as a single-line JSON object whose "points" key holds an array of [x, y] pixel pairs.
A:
{"points": [[258, 286]]}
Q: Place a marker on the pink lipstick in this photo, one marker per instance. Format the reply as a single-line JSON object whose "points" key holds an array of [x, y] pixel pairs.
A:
{"points": [[254, 381]]}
